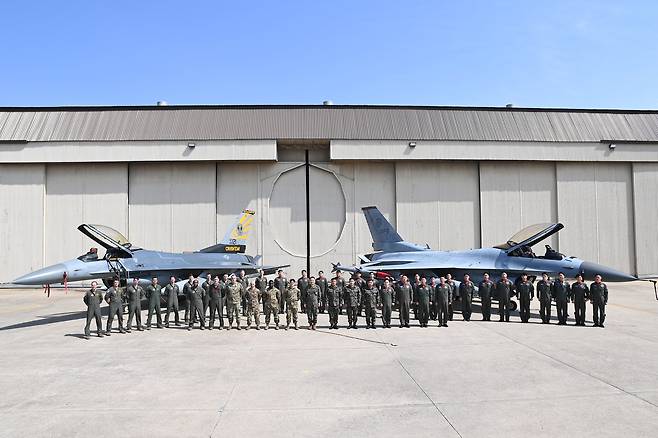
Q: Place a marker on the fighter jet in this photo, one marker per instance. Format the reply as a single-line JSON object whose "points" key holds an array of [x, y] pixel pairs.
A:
{"points": [[124, 260], [394, 256]]}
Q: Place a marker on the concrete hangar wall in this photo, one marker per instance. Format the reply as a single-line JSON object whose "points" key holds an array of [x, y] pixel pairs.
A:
{"points": [[448, 194]]}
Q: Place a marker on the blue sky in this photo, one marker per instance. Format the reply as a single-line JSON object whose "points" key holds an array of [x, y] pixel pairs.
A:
{"points": [[556, 53]]}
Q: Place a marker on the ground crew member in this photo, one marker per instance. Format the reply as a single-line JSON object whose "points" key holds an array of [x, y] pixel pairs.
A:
{"points": [[598, 292], [253, 306], [113, 297], [386, 298], [579, 294], [526, 292], [404, 293], [340, 282], [291, 296], [312, 300], [361, 284], [271, 299], [217, 300], [423, 297], [369, 300], [333, 302], [302, 285], [485, 290], [93, 299], [453, 293], [206, 295], [443, 297], [233, 299], [544, 295], [352, 300], [504, 290], [171, 291], [322, 283], [560, 293], [195, 298], [135, 294], [281, 283], [186, 292], [244, 283], [466, 292], [154, 294]]}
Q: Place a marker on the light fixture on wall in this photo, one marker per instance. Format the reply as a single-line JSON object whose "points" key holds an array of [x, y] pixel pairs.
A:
{"points": [[412, 144], [191, 145], [612, 146]]}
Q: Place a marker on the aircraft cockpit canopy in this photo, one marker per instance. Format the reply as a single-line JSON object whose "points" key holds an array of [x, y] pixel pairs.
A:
{"points": [[520, 244], [116, 244]]}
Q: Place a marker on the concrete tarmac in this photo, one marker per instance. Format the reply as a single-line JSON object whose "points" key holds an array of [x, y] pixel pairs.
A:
{"points": [[472, 379]]}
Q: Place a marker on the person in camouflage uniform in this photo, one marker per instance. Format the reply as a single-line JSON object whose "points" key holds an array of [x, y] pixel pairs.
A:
{"points": [[114, 298], [253, 306], [333, 302], [154, 295], [369, 299], [598, 292], [93, 299], [312, 301], [233, 299], [171, 291], [352, 302], [135, 294], [291, 296], [544, 295], [271, 299], [485, 292]]}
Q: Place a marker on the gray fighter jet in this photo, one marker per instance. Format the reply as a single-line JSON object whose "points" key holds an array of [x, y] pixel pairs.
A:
{"points": [[123, 260], [393, 257]]}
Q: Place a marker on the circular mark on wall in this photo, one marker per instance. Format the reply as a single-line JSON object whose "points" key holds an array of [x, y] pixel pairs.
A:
{"points": [[287, 210]]}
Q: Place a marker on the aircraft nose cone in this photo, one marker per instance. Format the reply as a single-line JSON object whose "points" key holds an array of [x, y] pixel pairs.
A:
{"points": [[590, 269], [49, 275]]}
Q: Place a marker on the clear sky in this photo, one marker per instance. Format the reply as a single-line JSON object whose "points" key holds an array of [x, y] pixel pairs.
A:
{"points": [[556, 53]]}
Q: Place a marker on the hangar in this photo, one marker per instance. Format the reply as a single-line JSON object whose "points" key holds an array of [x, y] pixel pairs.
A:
{"points": [[173, 178]]}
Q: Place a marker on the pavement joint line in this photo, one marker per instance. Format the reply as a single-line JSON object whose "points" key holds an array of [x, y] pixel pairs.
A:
{"points": [[222, 410], [438, 409], [387, 344], [333, 408], [573, 367]]}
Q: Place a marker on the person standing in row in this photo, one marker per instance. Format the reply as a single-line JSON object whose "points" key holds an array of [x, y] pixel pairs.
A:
{"points": [[113, 298], [135, 294], [443, 298], [261, 284], [361, 284], [386, 294], [466, 292], [423, 297], [322, 283], [414, 292], [340, 282], [186, 293], [253, 306], [599, 297], [352, 301], [195, 297], [560, 293], [171, 291], [485, 291], [206, 295], [244, 284], [154, 295], [404, 293], [526, 292], [544, 295], [312, 300], [333, 302], [302, 285], [233, 299], [216, 300], [93, 299], [281, 283], [271, 307], [504, 290], [453, 293], [291, 297], [579, 294], [369, 301]]}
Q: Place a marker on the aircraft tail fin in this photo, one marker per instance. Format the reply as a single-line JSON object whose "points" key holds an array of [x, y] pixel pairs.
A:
{"points": [[235, 239], [384, 236]]}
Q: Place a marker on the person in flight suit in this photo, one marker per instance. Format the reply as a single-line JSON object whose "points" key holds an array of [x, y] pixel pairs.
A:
{"points": [[261, 284], [443, 297], [154, 295], [466, 292], [361, 284], [271, 299], [312, 300], [291, 296], [414, 290], [244, 283], [404, 293], [206, 295], [560, 292], [171, 291], [113, 297], [352, 302], [333, 302], [93, 299], [302, 285], [341, 283], [186, 292], [386, 298], [526, 292], [322, 283], [423, 297], [579, 294], [598, 292], [253, 306], [369, 300], [544, 295], [453, 293], [217, 300], [233, 300], [195, 297], [135, 294], [504, 290], [485, 291], [281, 283]]}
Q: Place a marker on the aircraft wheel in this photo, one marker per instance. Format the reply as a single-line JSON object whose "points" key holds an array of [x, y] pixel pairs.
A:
{"points": [[512, 305]]}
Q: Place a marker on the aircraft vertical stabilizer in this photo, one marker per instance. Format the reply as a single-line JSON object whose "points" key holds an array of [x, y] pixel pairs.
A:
{"points": [[384, 236]]}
